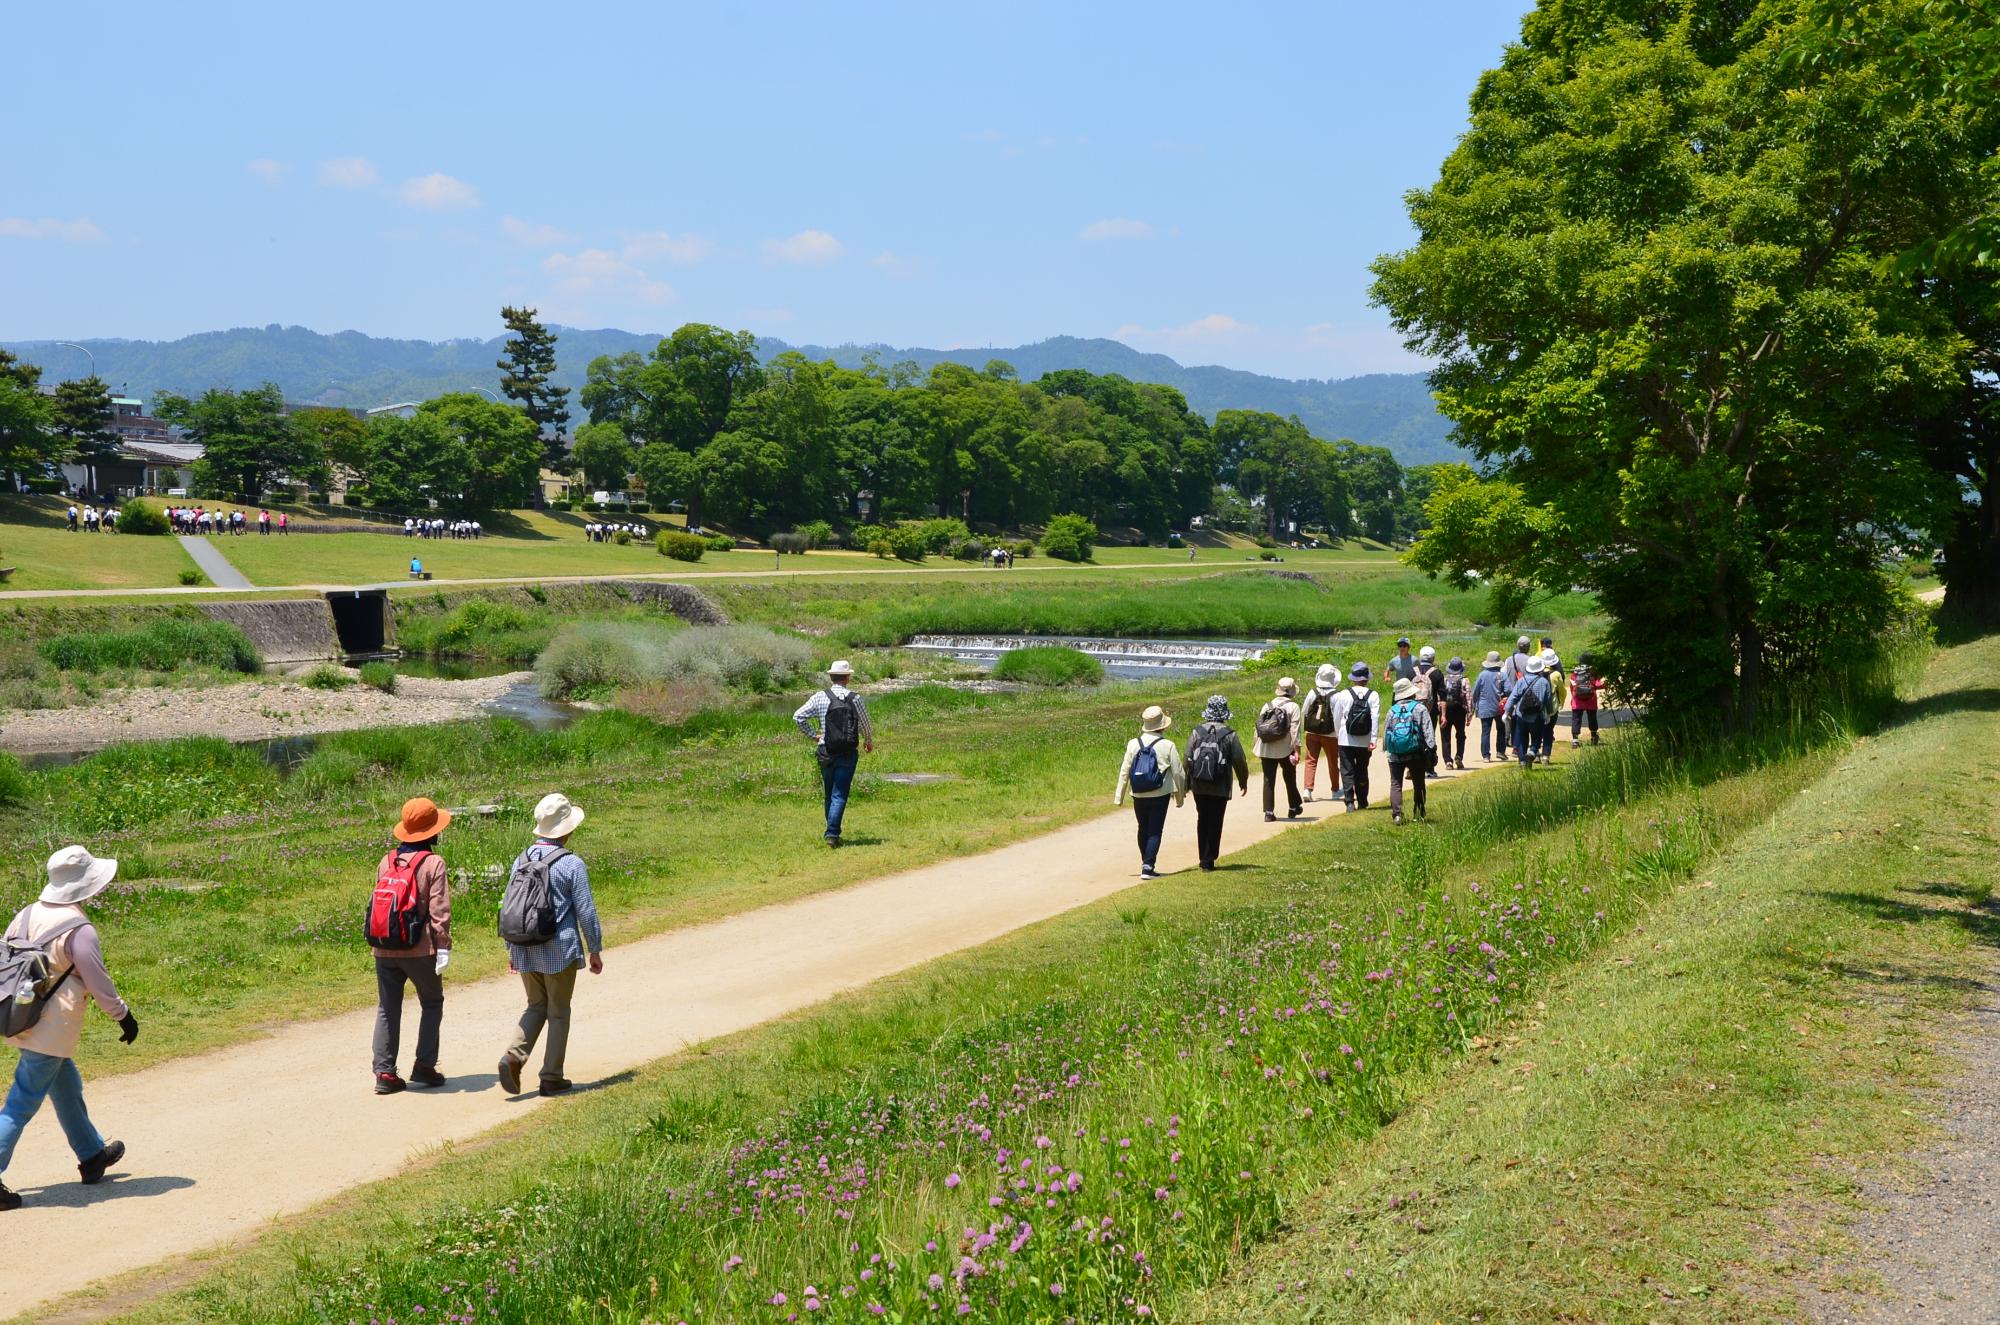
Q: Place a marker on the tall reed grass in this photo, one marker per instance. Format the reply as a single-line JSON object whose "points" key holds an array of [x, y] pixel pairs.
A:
{"points": [[592, 657]]}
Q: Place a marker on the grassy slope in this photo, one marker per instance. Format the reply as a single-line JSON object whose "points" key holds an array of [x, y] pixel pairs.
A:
{"points": [[1624, 1155], [698, 1101], [36, 542]]}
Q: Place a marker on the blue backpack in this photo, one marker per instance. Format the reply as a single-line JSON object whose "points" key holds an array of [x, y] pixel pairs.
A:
{"points": [[1403, 734], [1146, 774]]}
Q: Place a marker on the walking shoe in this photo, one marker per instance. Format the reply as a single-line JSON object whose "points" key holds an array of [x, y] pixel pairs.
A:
{"points": [[92, 1169], [1269, 817], [1309, 795], [423, 1074], [510, 1076], [833, 842], [1295, 812], [1208, 865], [1148, 872], [388, 1083], [9, 1199], [1395, 816], [555, 1085], [1575, 744]]}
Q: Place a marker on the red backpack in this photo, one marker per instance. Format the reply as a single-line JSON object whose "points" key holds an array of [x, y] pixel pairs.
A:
{"points": [[396, 916]]}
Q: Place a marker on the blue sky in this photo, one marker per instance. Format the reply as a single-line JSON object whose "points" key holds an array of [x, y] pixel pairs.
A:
{"points": [[1203, 180]]}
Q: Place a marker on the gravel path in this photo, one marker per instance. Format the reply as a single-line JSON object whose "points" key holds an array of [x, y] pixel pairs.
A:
{"points": [[247, 711], [1933, 1243], [213, 564]]}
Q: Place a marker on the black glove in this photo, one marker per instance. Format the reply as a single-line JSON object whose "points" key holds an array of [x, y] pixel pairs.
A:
{"points": [[130, 1025]]}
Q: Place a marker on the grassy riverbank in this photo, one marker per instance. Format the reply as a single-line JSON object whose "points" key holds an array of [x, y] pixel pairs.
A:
{"points": [[1101, 1112], [35, 541]]}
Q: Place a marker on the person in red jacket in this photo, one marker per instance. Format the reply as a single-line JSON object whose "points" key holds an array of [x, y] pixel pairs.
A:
{"points": [[1584, 683], [420, 960]]}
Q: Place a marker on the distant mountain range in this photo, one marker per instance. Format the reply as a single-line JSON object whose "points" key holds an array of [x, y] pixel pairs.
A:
{"points": [[351, 369]]}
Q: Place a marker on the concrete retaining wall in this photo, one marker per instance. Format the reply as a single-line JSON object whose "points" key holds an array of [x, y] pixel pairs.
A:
{"points": [[284, 630]]}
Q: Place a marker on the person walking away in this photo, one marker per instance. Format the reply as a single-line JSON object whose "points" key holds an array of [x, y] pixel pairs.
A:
{"points": [[65, 964], [1152, 772], [1316, 731], [1530, 705], [549, 920], [1278, 748], [1430, 693], [263, 524], [1409, 738], [1552, 672], [1214, 754], [1457, 706], [1511, 671], [1402, 667], [72, 517], [1584, 684], [1191, 552], [409, 926], [284, 525], [842, 733], [1357, 725]]}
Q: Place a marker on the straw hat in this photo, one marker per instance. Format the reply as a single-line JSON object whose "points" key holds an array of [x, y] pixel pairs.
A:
{"points": [[841, 667], [76, 876], [1155, 719], [555, 816], [1405, 689], [1287, 686], [1327, 677], [423, 819]]}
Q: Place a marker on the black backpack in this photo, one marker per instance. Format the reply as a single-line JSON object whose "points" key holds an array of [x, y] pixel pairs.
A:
{"points": [[528, 908], [840, 729], [1206, 760], [1274, 722], [1318, 717], [1360, 722], [1457, 697], [1532, 704]]}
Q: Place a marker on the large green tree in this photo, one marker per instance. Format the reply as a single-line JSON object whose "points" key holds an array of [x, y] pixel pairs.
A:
{"points": [[1652, 274], [248, 442], [527, 371], [28, 442], [602, 454], [491, 458], [81, 414]]}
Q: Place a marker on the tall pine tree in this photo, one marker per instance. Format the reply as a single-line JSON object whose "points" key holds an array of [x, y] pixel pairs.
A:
{"points": [[83, 416], [525, 377]]}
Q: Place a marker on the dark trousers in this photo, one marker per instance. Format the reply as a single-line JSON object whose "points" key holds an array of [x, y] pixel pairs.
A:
{"points": [[1272, 767], [1505, 731], [1576, 717], [1208, 812], [836, 775], [1528, 736], [1414, 766], [1546, 730], [391, 974], [1354, 775], [1151, 812], [1486, 726], [1453, 724]]}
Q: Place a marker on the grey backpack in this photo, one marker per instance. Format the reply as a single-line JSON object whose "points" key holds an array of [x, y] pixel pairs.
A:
{"points": [[25, 987], [528, 908]]}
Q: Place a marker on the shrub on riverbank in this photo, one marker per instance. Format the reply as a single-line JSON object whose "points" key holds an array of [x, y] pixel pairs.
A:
{"points": [[158, 646], [681, 547], [1048, 665], [596, 657], [328, 676], [141, 517], [1069, 538], [379, 675]]}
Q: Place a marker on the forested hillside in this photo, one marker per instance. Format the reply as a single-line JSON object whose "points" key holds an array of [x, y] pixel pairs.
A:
{"points": [[1392, 410]]}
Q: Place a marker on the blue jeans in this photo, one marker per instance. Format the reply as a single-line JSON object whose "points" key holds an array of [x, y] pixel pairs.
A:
{"points": [[1151, 812], [1529, 736], [836, 775], [1486, 738], [38, 1077]]}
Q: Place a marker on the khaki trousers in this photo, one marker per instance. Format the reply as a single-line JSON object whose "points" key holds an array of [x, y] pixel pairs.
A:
{"points": [[548, 1005]]}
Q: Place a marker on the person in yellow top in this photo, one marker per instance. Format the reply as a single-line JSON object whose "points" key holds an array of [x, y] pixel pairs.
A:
{"points": [[1152, 772]]}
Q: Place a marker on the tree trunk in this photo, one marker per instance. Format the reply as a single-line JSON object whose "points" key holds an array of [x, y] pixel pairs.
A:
{"points": [[1972, 554]]}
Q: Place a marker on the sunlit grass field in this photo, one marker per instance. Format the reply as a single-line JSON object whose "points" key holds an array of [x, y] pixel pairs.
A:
{"points": [[35, 541]]}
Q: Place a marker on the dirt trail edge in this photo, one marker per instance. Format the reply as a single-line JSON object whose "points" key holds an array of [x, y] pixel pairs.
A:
{"points": [[223, 1143]]}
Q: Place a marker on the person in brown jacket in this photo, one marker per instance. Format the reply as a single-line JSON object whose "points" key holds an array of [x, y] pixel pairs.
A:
{"points": [[421, 963]]}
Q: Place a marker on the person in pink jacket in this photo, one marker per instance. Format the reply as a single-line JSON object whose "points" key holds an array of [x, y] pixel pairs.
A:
{"points": [[47, 1067]]}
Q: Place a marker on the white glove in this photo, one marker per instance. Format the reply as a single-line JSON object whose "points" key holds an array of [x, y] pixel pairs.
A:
{"points": [[444, 960]]}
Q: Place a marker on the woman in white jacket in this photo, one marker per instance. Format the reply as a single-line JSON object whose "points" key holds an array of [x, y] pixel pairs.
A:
{"points": [[1152, 772]]}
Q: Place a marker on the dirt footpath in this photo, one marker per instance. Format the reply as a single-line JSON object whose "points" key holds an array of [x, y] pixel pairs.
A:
{"points": [[247, 711]]}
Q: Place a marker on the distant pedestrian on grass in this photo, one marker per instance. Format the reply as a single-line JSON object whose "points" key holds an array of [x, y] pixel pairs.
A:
{"points": [[409, 926], [284, 524], [69, 973], [1316, 732], [1552, 671], [1215, 755], [842, 732], [1152, 772], [1457, 707], [1532, 708], [1278, 748], [1357, 725], [548, 894], [1409, 738], [1487, 694], [72, 517], [1584, 683], [1430, 693]]}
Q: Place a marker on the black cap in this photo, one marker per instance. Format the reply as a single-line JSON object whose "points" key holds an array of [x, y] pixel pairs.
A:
{"points": [[1403, 643]]}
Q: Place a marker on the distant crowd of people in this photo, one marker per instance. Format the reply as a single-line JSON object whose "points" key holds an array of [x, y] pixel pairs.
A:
{"points": [[202, 520], [93, 519], [436, 528], [601, 532]]}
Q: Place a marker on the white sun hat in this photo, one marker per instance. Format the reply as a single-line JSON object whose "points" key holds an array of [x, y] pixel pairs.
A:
{"points": [[556, 816], [76, 876], [841, 667]]}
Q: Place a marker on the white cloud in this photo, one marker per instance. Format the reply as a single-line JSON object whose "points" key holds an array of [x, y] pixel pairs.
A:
{"points": [[82, 230], [600, 273], [529, 235], [1214, 327], [808, 247], [898, 266], [347, 172], [269, 170], [1116, 227], [652, 245], [439, 193]]}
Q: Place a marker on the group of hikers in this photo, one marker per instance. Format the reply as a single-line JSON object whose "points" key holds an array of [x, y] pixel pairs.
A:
{"points": [[438, 528], [598, 531], [201, 520], [93, 519]]}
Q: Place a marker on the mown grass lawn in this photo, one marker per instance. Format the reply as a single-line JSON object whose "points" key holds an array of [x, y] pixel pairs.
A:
{"points": [[35, 540]]}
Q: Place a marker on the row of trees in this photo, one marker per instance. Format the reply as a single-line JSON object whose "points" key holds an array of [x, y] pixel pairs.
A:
{"points": [[1710, 296], [39, 431], [769, 446]]}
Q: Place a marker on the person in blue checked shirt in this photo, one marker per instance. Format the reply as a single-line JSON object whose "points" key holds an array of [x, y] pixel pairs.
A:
{"points": [[836, 721], [548, 970]]}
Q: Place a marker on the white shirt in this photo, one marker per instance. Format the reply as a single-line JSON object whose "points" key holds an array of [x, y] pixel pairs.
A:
{"points": [[1343, 704]]}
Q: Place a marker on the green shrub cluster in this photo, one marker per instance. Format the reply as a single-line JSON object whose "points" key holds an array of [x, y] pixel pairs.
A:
{"points": [[1048, 665], [379, 675], [327, 676], [718, 542], [158, 646], [136, 517], [596, 657], [793, 544], [817, 533], [679, 546], [1069, 538], [191, 577]]}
